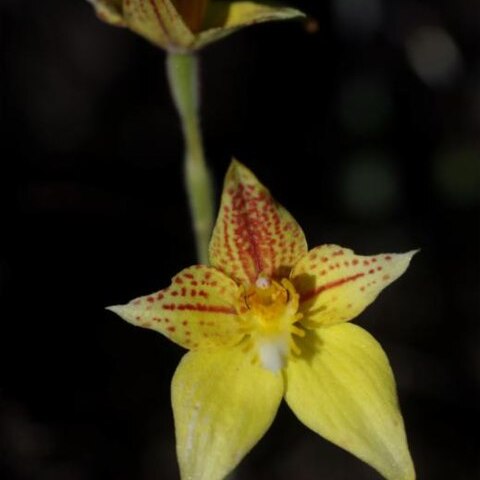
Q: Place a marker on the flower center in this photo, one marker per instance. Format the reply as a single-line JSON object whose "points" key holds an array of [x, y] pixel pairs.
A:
{"points": [[269, 317]]}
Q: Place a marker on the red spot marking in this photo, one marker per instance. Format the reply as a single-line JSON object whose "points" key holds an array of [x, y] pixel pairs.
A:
{"points": [[386, 277], [203, 293], [366, 262], [312, 293], [169, 306], [183, 291], [166, 320], [354, 261], [174, 293], [137, 318], [194, 283], [337, 265], [371, 271], [362, 289], [160, 296], [171, 329], [337, 253], [193, 292], [324, 259], [178, 280], [323, 272], [208, 275], [346, 263], [313, 256], [150, 299], [189, 276], [388, 257], [374, 260], [188, 333], [379, 269], [185, 322], [214, 283]]}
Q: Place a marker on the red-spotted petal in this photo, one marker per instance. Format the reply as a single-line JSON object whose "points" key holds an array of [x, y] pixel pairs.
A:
{"points": [[253, 234], [335, 285], [198, 310]]}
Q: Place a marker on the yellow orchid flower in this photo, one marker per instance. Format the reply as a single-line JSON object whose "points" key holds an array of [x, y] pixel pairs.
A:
{"points": [[269, 320], [187, 25]]}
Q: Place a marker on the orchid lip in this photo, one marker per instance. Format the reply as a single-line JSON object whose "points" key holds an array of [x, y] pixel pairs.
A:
{"points": [[269, 321]]}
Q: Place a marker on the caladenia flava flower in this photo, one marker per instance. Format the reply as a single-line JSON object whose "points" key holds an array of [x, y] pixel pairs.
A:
{"points": [[188, 25], [270, 320]]}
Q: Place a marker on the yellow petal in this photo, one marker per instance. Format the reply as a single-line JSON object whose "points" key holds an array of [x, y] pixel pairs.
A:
{"points": [[335, 285], [196, 311], [253, 234], [342, 387], [222, 406], [159, 22], [110, 11], [224, 18]]}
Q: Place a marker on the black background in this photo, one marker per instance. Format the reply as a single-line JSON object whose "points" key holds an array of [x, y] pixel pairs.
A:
{"points": [[353, 127]]}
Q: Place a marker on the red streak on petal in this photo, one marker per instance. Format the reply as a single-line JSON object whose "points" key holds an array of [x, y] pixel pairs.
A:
{"points": [[199, 307], [312, 293]]}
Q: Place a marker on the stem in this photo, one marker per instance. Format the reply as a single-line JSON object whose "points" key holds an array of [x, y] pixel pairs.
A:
{"points": [[183, 76]]}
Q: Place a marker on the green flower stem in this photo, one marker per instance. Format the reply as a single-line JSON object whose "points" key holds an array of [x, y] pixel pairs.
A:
{"points": [[183, 78]]}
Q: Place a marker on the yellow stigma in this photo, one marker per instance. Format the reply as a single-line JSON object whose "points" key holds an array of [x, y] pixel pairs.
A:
{"points": [[269, 314]]}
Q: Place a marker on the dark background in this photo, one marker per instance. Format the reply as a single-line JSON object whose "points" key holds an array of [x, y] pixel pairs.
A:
{"points": [[363, 122]]}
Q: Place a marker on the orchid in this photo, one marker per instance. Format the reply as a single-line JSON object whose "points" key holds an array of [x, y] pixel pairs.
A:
{"points": [[267, 320], [188, 25]]}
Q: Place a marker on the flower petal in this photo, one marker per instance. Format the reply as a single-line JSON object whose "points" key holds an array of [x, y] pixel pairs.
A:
{"points": [[196, 311], [192, 12], [110, 11], [335, 285], [253, 234], [222, 406], [224, 18], [342, 387], [159, 22]]}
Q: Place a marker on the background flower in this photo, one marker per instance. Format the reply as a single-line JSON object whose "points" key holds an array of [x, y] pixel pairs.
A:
{"points": [[185, 25]]}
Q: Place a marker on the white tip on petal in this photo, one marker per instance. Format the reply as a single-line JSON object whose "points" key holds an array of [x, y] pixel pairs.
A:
{"points": [[124, 312]]}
